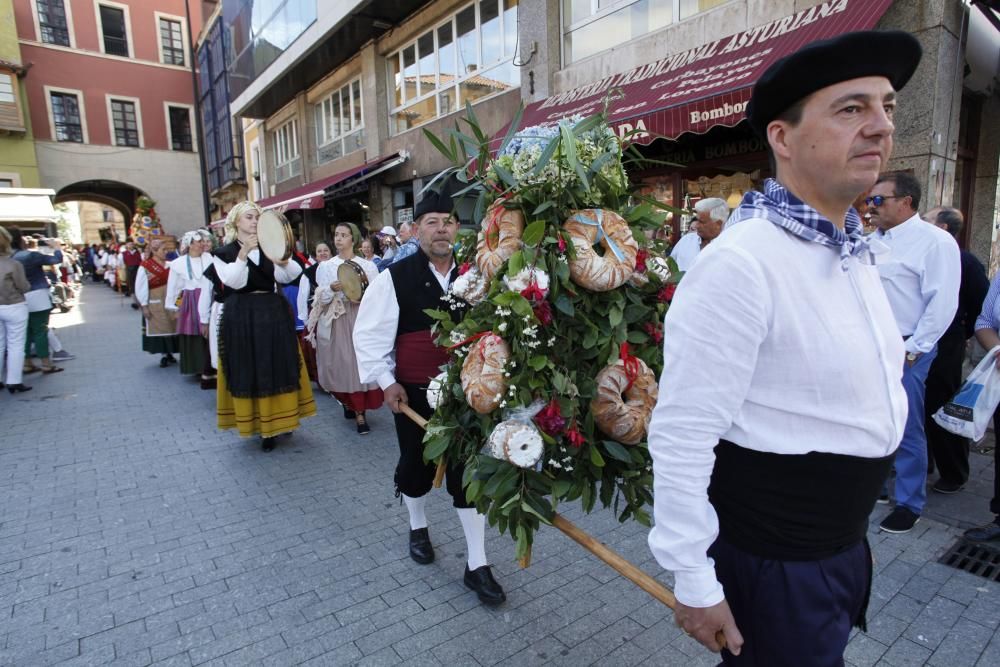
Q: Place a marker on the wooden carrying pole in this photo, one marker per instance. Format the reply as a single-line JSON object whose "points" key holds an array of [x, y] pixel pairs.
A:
{"points": [[587, 541]]}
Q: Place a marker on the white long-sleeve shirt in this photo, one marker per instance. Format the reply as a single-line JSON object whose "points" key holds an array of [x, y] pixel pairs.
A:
{"points": [[921, 279], [142, 286], [771, 345], [375, 328], [235, 274], [186, 274], [685, 253]]}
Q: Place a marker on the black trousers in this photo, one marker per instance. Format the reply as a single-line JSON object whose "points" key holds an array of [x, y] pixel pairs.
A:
{"points": [[793, 613], [949, 452], [415, 478], [130, 275]]}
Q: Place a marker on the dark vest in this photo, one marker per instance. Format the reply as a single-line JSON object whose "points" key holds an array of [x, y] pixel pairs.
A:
{"points": [[416, 289], [260, 278]]}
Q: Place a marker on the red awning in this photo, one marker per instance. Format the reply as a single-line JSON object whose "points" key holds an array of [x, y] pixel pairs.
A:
{"points": [[710, 85], [310, 196]]}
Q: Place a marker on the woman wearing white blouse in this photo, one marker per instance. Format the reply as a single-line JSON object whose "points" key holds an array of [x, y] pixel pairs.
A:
{"points": [[184, 287], [336, 362]]}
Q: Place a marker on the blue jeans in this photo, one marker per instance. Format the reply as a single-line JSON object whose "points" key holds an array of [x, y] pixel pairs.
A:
{"points": [[911, 458]]}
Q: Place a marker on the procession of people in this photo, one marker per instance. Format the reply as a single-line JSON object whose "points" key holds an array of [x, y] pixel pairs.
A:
{"points": [[803, 360]]}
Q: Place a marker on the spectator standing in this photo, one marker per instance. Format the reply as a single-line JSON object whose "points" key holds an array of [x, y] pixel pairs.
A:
{"points": [[38, 299], [712, 214], [408, 242], [13, 315], [988, 335]]}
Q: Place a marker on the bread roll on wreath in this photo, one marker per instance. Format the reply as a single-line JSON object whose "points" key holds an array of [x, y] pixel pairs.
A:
{"points": [[499, 238], [517, 443], [623, 406], [482, 373], [600, 273]]}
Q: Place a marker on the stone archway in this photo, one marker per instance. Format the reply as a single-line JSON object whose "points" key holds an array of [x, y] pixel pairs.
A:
{"points": [[113, 194]]}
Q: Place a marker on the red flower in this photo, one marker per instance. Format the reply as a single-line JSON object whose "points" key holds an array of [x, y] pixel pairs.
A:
{"points": [[543, 313], [574, 437], [550, 419], [464, 268], [655, 332], [666, 294], [562, 243], [533, 292], [640, 260]]}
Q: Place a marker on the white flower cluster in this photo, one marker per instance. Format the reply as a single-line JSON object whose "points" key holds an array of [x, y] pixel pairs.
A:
{"points": [[471, 287], [520, 281]]}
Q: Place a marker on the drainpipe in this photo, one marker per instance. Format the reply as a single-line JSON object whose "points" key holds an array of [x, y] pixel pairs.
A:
{"points": [[197, 118]]}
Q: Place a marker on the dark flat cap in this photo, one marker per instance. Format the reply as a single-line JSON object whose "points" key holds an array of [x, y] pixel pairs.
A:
{"points": [[893, 54], [438, 199]]}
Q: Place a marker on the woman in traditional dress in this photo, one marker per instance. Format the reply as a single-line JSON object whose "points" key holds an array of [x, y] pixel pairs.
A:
{"points": [[336, 362], [307, 290], [262, 384], [159, 325], [184, 287]]}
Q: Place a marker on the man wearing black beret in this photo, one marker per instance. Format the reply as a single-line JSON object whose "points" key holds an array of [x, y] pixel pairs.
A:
{"points": [[395, 347], [782, 403]]}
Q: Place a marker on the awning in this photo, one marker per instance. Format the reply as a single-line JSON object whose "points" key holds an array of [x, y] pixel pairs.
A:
{"points": [[710, 85], [310, 196], [27, 205]]}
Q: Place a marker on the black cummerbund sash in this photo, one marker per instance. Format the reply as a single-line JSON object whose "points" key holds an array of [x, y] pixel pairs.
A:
{"points": [[794, 506]]}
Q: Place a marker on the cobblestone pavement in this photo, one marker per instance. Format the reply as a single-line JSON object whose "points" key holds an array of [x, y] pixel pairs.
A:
{"points": [[133, 532]]}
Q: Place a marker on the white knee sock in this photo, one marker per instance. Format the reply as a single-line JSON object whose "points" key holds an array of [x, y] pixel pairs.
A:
{"points": [[416, 508], [474, 525]]}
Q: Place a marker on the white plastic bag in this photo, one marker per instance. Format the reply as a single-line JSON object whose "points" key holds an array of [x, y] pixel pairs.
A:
{"points": [[971, 409]]}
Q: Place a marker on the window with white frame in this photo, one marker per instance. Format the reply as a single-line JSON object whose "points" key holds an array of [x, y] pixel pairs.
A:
{"points": [[171, 41], [66, 120], [340, 127], [114, 30], [286, 151], [463, 59], [125, 123], [592, 26], [52, 21], [10, 109]]}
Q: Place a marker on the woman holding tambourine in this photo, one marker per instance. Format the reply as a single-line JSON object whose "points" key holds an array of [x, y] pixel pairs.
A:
{"points": [[263, 387], [341, 281]]}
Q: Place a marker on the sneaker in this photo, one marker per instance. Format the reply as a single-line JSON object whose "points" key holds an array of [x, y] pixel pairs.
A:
{"points": [[62, 355], [883, 499], [946, 487], [987, 533], [900, 520]]}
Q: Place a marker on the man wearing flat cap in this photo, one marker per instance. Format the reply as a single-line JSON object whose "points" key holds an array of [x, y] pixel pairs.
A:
{"points": [[781, 402], [395, 347]]}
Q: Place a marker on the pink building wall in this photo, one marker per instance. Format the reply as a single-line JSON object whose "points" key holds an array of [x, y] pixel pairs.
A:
{"points": [[86, 69]]}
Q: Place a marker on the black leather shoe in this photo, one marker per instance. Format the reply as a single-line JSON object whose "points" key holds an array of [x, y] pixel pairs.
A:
{"points": [[164, 362], [987, 533], [947, 487], [349, 414], [268, 444], [487, 589], [421, 549], [17, 388]]}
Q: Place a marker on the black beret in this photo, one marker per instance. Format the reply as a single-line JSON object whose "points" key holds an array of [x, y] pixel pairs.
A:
{"points": [[893, 54], [438, 199]]}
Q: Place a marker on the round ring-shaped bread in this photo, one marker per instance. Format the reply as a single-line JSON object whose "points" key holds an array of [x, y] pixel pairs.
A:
{"points": [[517, 443], [435, 389], [499, 238], [482, 373], [624, 414], [596, 272]]}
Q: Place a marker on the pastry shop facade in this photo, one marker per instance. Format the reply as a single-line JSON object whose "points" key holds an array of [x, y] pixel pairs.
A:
{"points": [[685, 110]]}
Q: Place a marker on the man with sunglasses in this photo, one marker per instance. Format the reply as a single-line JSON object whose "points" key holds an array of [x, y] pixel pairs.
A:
{"points": [[921, 279]]}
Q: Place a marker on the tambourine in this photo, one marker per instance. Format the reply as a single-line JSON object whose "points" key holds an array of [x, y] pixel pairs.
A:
{"points": [[353, 281], [274, 236]]}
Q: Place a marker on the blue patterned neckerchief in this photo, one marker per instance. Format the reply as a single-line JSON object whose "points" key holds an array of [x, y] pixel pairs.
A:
{"points": [[784, 209]]}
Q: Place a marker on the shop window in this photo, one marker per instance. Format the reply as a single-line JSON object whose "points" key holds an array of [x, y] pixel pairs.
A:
{"points": [[467, 57], [286, 151], [593, 26], [171, 42], [180, 128], [114, 30], [52, 22], [66, 121], [402, 204], [340, 123], [125, 122]]}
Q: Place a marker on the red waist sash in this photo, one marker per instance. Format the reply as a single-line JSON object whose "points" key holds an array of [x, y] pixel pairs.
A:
{"points": [[418, 359]]}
